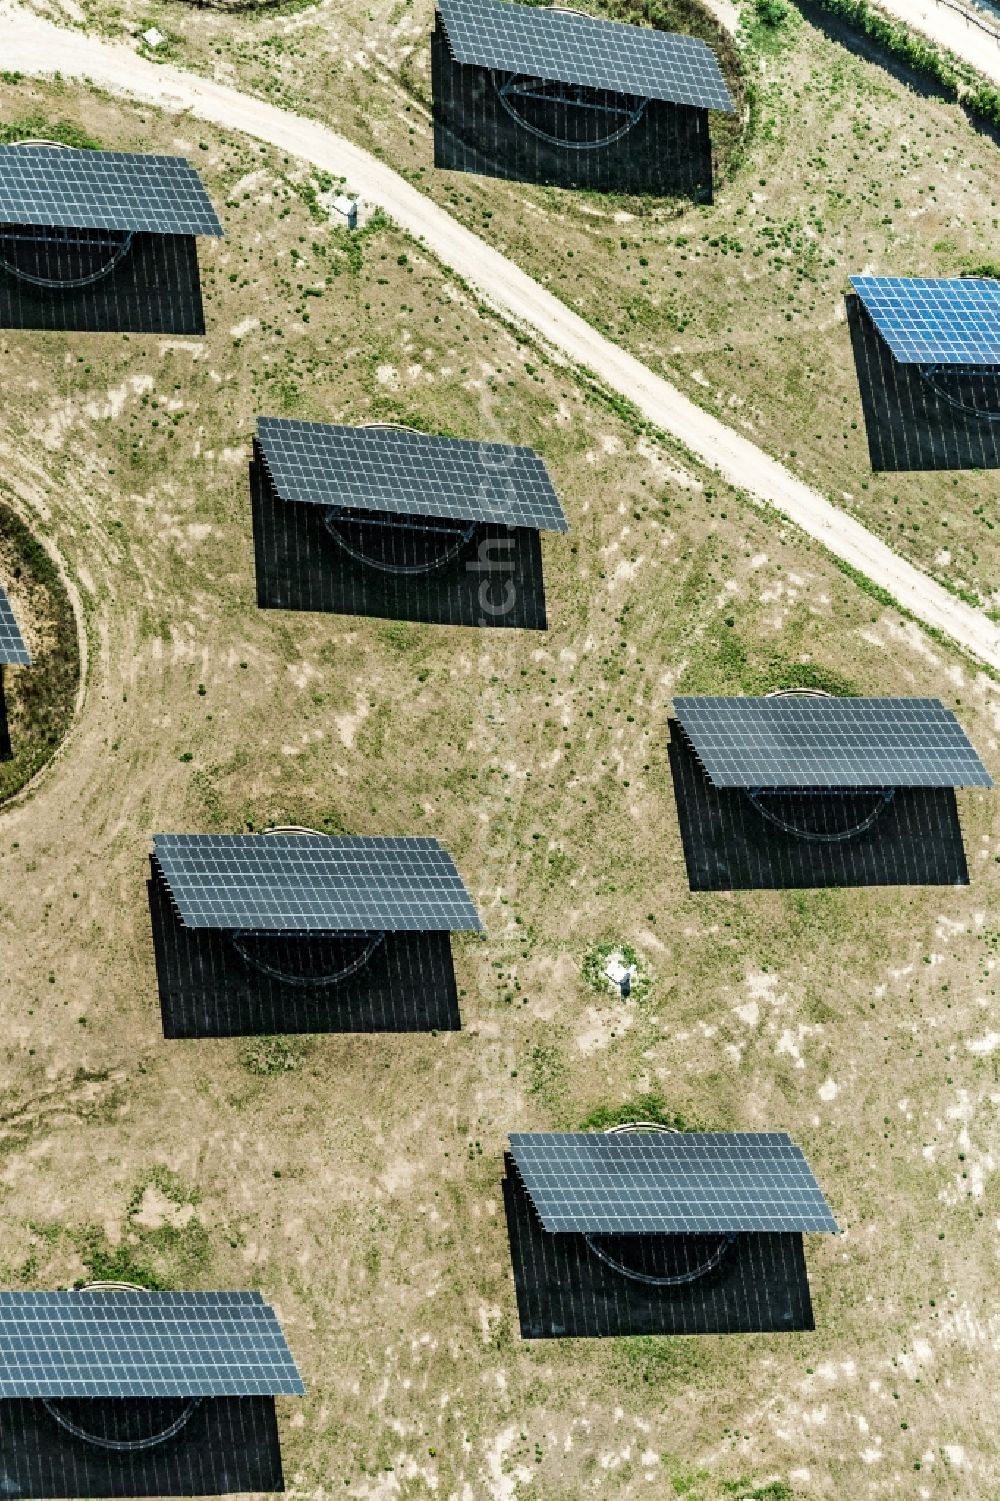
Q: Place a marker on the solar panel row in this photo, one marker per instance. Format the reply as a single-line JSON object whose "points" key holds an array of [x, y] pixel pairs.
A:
{"points": [[58, 185], [117, 1298], [13, 651], [669, 1183], [574, 49], [312, 882], [829, 742], [935, 320], [384, 469], [139, 1344]]}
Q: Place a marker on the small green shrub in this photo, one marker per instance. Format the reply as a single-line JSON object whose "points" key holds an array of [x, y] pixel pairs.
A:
{"points": [[772, 13], [651, 1108], [984, 101], [37, 127], [120, 1263]]}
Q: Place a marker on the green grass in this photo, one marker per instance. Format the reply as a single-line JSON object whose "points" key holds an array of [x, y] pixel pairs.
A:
{"points": [[35, 126], [651, 1108], [265, 1057]]}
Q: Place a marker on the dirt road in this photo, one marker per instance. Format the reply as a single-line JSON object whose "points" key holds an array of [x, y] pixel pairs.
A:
{"points": [[37, 47], [971, 35], [956, 24]]}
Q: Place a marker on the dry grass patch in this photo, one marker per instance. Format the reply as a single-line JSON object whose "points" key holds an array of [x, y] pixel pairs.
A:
{"points": [[356, 1180]]}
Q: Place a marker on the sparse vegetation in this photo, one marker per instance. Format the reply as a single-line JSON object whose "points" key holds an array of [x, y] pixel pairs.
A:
{"points": [[356, 1179], [649, 1108], [37, 126], [594, 963], [955, 78], [267, 1056], [741, 302]]}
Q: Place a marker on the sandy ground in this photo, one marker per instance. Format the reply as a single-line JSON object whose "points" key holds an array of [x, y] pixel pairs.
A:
{"points": [[36, 47], [725, 13]]}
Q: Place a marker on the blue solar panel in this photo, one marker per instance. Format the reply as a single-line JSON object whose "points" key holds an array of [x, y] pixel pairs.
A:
{"points": [[935, 320], [412, 474], [116, 190], [670, 1183], [829, 742], [314, 883], [573, 49], [13, 652], [142, 1344]]}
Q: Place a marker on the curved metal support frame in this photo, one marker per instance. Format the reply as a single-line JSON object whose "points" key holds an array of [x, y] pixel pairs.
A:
{"points": [[511, 86], [646, 1278], [336, 513], [306, 982], [119, 248], [321, 982], [463, 536], [931, 374], [293, 828], [393, 427], [119, 1446], [122, 1446], [884, 795], [797, 693]]}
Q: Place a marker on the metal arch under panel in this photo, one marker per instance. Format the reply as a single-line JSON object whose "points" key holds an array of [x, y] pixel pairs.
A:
{"points": [[620, 112], [54, 259]]}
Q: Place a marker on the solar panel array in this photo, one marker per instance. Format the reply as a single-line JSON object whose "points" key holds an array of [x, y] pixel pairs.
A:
{"points": [[572, 1286], [935, 320], [574, 49], [58, 185], [13, 652], [650, 1182], [795, 839], [830, 742], [412, 474], [142, 1344], [314, 883]]}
